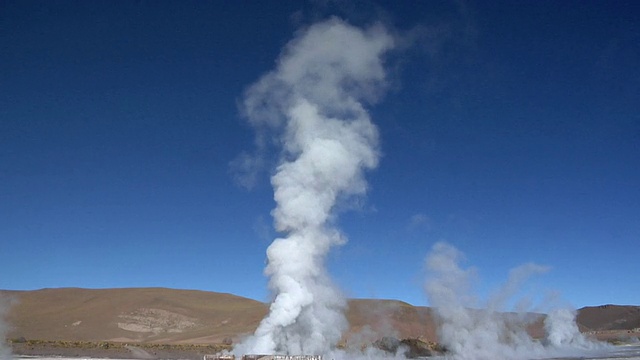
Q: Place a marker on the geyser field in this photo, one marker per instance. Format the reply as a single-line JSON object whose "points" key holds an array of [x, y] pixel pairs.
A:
{"points": [[312, 106], [317, 139]]}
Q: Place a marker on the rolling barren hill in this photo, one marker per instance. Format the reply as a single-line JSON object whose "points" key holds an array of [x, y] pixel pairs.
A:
{"points": [[609, 317], [132, 315], [159, 315], [370, 319]]}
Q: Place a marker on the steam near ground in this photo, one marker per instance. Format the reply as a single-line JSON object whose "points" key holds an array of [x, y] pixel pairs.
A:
{"points": [[470, 330], [312, 105], [5, 350]]}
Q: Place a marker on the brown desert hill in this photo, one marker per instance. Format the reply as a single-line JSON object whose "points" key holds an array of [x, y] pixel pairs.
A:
{"points": [[156, 315], [169, 316], [371, 319], [609, 317], [161, 315]]}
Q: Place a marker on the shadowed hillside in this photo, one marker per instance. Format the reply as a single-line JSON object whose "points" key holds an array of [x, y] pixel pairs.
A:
{"points": [[609, 317], [159, 315]]}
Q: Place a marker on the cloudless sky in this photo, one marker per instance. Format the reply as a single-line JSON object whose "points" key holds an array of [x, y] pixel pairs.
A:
{"points": [[510, 130]]}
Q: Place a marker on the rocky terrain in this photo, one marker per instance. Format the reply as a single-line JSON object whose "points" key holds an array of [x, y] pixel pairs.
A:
{"points": [[169, 323]]}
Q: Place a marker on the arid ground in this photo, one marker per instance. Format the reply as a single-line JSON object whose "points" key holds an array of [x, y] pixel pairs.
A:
{"points": [[186, 324]]}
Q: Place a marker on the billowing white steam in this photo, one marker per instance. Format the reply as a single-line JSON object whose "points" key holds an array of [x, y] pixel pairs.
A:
{"points": [[312, 102], [472, 330], [562, 330]]}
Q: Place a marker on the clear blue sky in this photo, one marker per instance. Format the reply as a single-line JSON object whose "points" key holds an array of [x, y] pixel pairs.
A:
{"points": [[510, 130]]}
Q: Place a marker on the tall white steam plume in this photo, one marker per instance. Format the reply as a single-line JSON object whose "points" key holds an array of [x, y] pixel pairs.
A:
{"points": [[312, 104], [476, 331]]}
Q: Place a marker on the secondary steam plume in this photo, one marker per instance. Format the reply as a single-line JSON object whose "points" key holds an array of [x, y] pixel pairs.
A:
{"points": [[562, 330], [312, 103], [470, 330]]}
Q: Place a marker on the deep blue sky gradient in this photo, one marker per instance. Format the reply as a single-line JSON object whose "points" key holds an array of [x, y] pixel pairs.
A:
{"points": [[510, 130]]}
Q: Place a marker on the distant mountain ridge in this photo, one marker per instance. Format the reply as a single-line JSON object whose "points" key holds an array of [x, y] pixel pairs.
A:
{"points": [[161, 315], [610, 317]]}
